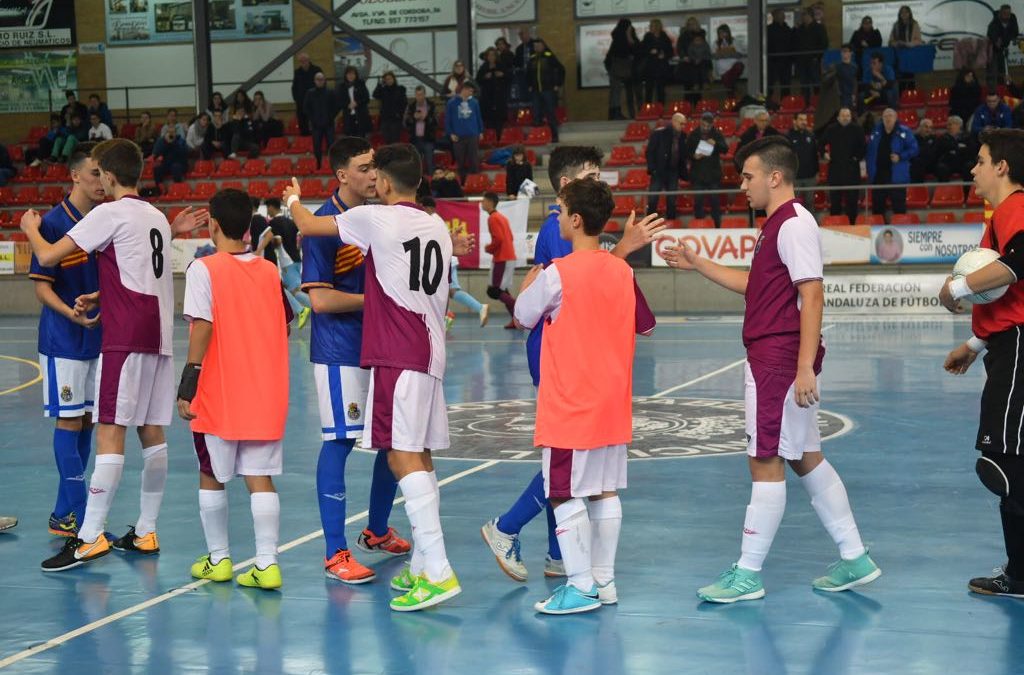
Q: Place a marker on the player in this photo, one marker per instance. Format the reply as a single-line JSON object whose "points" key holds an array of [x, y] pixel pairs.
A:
{"points": [[408, 254], [69, 344], [566, 163], [135, 382], [593, 309], [782, 334], [503, 251], [235, 303], [333, 275], [999, 178]]}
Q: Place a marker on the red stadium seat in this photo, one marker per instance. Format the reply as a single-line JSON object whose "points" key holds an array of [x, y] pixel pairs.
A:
{"points": [[178, 192], [511, 136], [624, 205], [917, 197], [229, 168], [684, 203], [538, 136], [939, 117], [253, 168], [28, 196], [974, 217], [524, 117], [649, 111], [792, 104], [29, 174], [7, 196], [276, 146], [727, 125], [19, 236], [737, 204], [280, 166], [730, 107], [911, 98], [51, 194], [476, 183], [301, 145], [782, 123], [57, 173], [279, 187], [127, 131], [683, 107], [908, 117], [870, 219], [730, 175], [706, 105], [613, 226], [304, 166], [260, 189], [821, 200], [623, 155], [293, 127], [312, 187], [636, 131], [561, 114], [635, 179], [500, 184], [236, 185], [203, 191], [834, 220], [973, 199], [203, 169], [938, 98], [942, 217], [735, 222], [905, 219], [948, 196], [701, 224]]}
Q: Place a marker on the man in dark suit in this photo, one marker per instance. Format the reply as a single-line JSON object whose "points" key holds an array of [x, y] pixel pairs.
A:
{"points": [[301, 83], [666, 163]]}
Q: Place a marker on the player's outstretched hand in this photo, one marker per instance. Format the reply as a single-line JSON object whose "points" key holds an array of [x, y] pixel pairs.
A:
{"points": [[31, 221], [636, 235], [86, 303], [947, 300], [463, 243], [185, 410], [960, 359], [86, 322], [189, 220], [292, 189], [680, 256], [806, 388]]}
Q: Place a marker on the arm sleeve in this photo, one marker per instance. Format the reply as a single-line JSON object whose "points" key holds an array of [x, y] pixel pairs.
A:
{"points": [[93, 232], [355, 226], [318, 255], [800, 250], [1013, 259], [645, 320], [542, 298], [198, 293]]}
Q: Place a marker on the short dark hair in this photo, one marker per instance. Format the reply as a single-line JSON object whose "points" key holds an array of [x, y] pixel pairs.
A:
{"points": [[568, 160], [401, 163], [1006, 145], [255, 201], [122, 158], [775, 152], [172, 110], [877, 56], [233, 212], [68, 93], [491, 197], [273, 203], [95, 96], [80, 154], [345, 148], [591, 200], [427, 201]]}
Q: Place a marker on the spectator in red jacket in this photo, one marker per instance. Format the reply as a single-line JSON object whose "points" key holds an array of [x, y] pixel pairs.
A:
{"points": [[503, 254]]}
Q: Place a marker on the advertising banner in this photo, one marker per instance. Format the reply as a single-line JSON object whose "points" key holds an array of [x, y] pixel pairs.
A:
{"points": [[923, 243], [149, 21], [371, 15], [36, 23], [735, 247], [6, 257], [31, 80], [883, 294], [470, 217]]}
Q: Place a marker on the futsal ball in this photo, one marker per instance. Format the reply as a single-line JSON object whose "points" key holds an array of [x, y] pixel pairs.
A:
{"points": [[972, 261]]}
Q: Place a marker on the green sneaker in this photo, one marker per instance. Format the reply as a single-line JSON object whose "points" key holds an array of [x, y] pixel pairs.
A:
{"points": [[304, 317], [846, 574], [202, 569], [268, 579], [733, 585], [426, 593], [404, 581]]}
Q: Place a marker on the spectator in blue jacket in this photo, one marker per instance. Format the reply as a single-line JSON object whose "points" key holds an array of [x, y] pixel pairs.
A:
{"points": [[464, 125], [891, 146], [100, 108], [879, 83], [992, 113]]}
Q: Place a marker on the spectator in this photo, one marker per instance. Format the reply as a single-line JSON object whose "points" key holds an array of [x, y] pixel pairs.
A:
{"points": [[264, 123], [493, 80], [762, 127], [464, 125], [656, 48], [1002, 32], [891, 146], [218, 136], [195, 138], [864, 38], [924, 164], [506, 57], [146, 134], [522, 65], [846, 78], [243, 134], [905, 33], [173, 153], [620, 62], [320, 108], [695, 67], [844, 147], [7, 170], [354, 99], [956, 151], [72, 107], [421, 121], [965, 94], [35, 156], [779, 39], [217, 104], [65, 144], [392, 106], [98, 129], [691, 29], [100, 108], [879, 84], [727, 63], [173, 124], [666, 164], [453, 83], [810, 39], [992, 113], [517, 170], [546, 78], [445, 185], [806, 146], [240, 102], [705, 146], [302, 82]]}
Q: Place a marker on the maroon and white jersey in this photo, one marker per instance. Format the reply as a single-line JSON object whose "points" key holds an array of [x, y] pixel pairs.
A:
{"points": [[787, 252], [133, 244], [408, 254]]}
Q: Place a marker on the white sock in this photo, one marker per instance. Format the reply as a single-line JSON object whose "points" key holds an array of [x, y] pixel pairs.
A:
{"points": [[416, 559], [572, 527], [830, 502], [764, 513], [423, 506], [213, 511], [106, 476], [266, 522], [154, 477], [605, 523]]}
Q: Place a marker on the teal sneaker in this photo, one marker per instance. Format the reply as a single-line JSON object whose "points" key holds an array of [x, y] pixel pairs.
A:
{"points": [[733, 585], [846, 574], [569, 600]]}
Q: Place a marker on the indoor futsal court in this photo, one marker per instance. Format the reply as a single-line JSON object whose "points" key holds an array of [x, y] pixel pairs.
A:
{"points": [[901, 432]]}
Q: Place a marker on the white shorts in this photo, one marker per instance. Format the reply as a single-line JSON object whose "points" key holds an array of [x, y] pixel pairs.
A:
{"points": [[776, 426], [226, 459], [135, 389], [583, 473], [341, 393], [406, 410], [70, 386]]}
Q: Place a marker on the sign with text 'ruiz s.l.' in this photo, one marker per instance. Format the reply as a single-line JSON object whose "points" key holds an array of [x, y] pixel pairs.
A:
{"points": [[36, 23]]}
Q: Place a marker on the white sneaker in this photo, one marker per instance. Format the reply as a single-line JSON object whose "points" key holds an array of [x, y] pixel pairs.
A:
{"points": [[484, 311], [553, 568], [607, 593], [505, 548]]}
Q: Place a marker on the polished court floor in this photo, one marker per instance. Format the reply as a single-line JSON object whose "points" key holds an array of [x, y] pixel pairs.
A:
{"points": [[901, 436]]}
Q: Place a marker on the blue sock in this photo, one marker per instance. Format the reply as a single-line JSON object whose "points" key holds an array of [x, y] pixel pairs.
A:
{"points": [[71, 489], [85, 445], [553, 550], [464, 298], [526, 508], [382, 495], [330, 492]]}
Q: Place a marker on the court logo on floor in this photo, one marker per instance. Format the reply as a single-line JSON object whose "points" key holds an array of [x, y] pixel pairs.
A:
{"points": [[663, 428]]}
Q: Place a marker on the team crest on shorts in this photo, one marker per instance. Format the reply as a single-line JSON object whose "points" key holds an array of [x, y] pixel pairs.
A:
{"points": [[353, 411], [65, 394]]}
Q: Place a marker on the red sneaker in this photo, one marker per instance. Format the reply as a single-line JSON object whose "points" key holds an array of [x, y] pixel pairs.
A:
{"points": [[390, 543], [343, 567]]}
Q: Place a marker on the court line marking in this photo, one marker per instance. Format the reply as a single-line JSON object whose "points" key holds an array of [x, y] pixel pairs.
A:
{"points": [[25, 385], [188, 588]]}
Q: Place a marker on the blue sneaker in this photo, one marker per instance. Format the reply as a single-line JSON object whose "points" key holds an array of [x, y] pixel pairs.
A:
{"points": [[64, 527], [569, 600]]}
